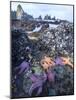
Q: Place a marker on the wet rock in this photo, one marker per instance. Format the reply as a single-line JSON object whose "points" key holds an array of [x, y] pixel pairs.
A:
{"points": [[52, 42], [63, 80], [19, 43]]}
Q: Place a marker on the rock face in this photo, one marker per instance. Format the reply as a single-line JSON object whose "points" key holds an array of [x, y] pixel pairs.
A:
{"points": [[20, 42], [21, 15], [19, 12], [13, 14]]}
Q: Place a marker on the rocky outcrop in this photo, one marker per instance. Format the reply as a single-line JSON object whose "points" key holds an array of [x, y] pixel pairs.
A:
{"points": [[19, 12], [21, 15]]}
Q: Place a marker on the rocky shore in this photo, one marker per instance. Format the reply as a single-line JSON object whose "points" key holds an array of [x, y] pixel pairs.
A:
{"points": [[31, 45]]}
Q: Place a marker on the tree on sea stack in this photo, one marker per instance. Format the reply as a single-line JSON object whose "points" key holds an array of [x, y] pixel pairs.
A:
{"points": [[47, 17], [40, 17]]}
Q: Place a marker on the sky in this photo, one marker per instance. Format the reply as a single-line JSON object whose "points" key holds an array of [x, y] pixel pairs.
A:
{"points": [[64, 12]]}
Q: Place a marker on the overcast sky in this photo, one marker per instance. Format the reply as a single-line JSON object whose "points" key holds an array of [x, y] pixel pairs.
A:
{"points": [[59, 11]]}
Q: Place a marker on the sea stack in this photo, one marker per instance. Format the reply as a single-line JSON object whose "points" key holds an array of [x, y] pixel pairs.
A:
{"points": [[19, 12]]}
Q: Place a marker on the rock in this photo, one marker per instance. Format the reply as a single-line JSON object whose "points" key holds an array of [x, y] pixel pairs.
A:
{"points": [[19, 12], [63, 80], [21, 15], [59, 39], [19, 43]]}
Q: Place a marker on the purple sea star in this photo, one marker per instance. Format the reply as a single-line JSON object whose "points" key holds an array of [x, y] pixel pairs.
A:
{"points": [[24, 66], [37, 83], [50, 76], [58, 61]]}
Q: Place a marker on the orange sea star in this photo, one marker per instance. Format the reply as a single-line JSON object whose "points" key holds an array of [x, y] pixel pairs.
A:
{"points": [[66, 60], [47, 62]]}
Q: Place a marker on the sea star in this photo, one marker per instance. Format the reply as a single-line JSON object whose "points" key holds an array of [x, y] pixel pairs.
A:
{"points": [[58, 61], [37, 83], [66, 60], [47, 62], [24, 66], [50, 76]]}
